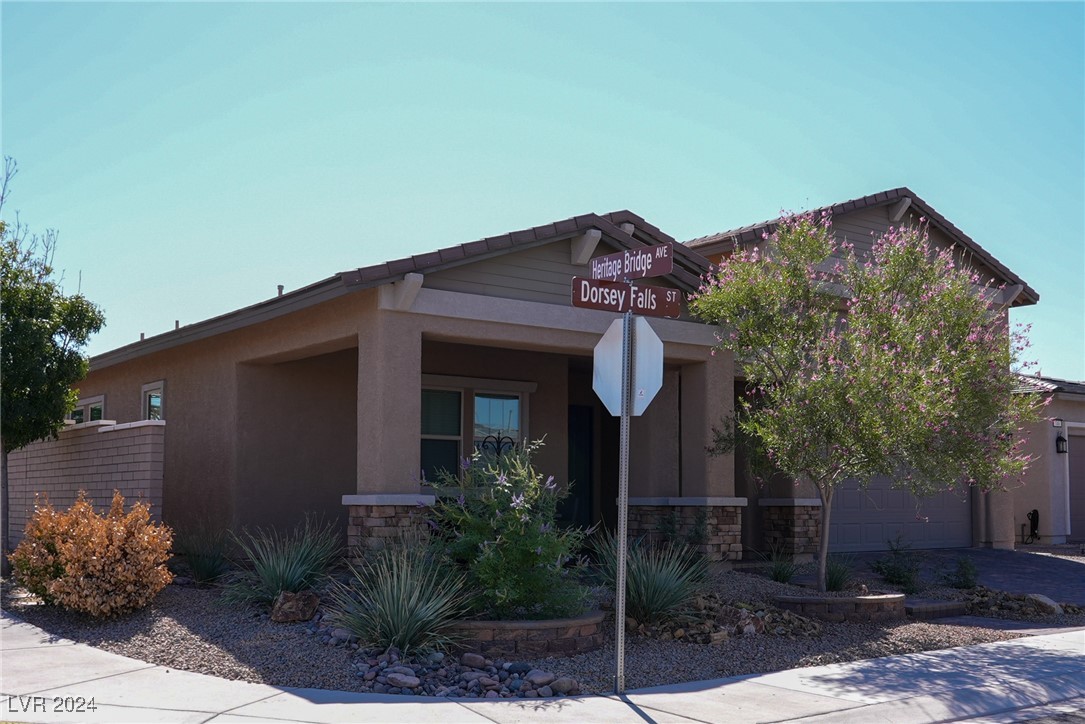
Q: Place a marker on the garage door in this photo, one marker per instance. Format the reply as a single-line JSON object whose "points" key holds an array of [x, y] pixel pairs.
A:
{"points": [[1077, 487], [866, 520]]}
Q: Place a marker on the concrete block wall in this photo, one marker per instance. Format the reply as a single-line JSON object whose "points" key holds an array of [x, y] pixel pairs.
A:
{"points": [[96, 457]]}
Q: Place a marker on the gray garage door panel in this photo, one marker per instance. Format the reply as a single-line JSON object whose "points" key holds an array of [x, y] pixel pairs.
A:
{"points": [[1077, 487], [866, 520]]}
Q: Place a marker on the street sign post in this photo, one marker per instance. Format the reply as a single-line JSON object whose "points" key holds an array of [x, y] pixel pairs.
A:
{"points": [[628, 371]]}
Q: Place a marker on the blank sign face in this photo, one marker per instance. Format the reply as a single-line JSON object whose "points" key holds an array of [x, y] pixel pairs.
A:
{"points": [[647, 367]]}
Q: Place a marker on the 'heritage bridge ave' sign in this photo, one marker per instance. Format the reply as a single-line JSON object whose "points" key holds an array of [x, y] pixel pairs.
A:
{"points": [[653, 261], [609, 288]]}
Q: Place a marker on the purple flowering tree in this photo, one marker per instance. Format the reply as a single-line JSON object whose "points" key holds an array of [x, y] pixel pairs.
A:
{"points": [[892, 362]]}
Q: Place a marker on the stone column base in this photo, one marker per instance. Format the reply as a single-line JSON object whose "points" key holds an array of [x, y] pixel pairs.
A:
{"points": [[791, 526], [374, 520], [712, 526]]}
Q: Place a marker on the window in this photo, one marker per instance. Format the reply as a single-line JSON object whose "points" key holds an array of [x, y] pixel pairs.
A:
{"points": [[441, 438], [495, 412], [497, 421], [89, 409], [153, 405]]}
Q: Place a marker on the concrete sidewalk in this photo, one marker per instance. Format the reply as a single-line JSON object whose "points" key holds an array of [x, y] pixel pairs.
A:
{"points": [[1021, 680]]}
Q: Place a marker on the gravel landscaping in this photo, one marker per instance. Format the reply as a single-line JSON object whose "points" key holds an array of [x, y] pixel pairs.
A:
{"points": [[192, 629]]}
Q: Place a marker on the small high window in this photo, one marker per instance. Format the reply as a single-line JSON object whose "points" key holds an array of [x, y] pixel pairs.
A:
{"points": [[89, 409], [154, 400]]}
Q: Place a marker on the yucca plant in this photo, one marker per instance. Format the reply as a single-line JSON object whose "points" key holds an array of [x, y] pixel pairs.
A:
{"points": [[659, 579], [838, 572], [280, 562], [403, 597], [205, 547], [782, 565]]}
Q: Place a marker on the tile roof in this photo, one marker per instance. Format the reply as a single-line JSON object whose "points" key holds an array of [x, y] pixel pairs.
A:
{"points": [[727, 240], [689, 266], [1049, 385]]}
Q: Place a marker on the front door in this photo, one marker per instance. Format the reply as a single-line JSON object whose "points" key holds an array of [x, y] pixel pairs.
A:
{"points": [[576, 509]]}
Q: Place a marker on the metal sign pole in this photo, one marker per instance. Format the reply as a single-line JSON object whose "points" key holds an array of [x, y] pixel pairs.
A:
{"points": [[623, 501]]}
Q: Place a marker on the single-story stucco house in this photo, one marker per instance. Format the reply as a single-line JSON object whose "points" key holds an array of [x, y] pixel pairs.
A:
{"points": [[343, 396]]}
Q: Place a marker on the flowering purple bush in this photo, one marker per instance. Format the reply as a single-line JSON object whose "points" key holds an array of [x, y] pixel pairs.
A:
{"points": [[894, 362], [496, 519]]}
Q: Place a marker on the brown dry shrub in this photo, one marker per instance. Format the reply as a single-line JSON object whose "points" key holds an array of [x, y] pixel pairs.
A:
{"points": [[99, 565]]}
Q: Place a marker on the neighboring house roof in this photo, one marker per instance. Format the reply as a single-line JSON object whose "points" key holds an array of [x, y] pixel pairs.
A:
{"points": [[728, 240], [1049, 385], [689, 267]]}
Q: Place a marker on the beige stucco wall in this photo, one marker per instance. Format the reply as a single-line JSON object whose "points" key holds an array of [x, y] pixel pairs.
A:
{"points": [[278, 417], [201, 402], [296, 438], [1045, 486]]}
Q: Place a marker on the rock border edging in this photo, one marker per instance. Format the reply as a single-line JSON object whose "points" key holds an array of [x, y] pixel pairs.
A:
{"points": [[531, 638], [872, 607]]}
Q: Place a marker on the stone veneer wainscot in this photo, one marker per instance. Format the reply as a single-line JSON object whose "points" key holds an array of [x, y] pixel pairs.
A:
{"points": [[374, 519], [722, 518], [791, 525]]}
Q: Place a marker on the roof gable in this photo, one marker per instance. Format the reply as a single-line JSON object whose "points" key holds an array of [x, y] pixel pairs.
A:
{"points": [[619, 229], [728, 240]]}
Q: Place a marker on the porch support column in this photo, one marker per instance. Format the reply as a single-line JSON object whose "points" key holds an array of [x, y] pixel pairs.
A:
{"points": [[707, 399], [389, 404], [998, 519]]}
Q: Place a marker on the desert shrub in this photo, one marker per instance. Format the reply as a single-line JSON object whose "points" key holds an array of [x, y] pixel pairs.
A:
{"points": [[658, 578], [899, 567], [403, 597], [782, 565], [497, 521], [94, 564], [280, 561], [205, 548], [838, 572], [963, 575]]}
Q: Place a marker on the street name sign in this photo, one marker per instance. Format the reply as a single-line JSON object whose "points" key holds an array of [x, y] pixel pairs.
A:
{"points": [[622, 297], [652, 261]]}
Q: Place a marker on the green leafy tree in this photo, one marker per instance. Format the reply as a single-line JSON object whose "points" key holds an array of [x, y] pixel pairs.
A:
{"points": [[43, 332], [891, 363]]}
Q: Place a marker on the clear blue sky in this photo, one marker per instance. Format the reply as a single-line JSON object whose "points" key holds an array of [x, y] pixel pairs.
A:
{"points": [[195, 155]]}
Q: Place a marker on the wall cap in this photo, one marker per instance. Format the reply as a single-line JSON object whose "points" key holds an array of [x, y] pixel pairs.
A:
{"points": [[69, 425], [129, 425], [699, 502], [389, 499], [790, 502]]}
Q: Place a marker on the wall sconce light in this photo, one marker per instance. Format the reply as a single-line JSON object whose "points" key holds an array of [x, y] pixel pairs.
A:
{"points": [[1060, 444]]}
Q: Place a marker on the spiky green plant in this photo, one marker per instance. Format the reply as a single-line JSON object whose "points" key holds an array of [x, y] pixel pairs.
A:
{"points": [[280, 561], [782, 565], [838, 572], [403, 597], [659, 578], [205, 549]]}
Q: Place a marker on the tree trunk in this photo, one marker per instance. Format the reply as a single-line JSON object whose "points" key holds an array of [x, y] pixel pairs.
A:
{"points": [[826, 495], [5, 519]]}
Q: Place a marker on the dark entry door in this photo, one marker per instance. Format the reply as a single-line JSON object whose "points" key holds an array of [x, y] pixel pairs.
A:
{"points": [[576, 509]]}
